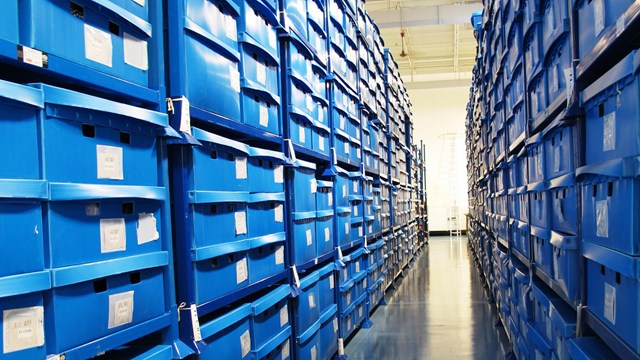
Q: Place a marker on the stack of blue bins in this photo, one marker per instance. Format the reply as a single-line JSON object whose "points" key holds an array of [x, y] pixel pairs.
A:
{"points": [[303, 206], [357, 203], [343, 207], [375, 272], [353, 285], [609, 182]]}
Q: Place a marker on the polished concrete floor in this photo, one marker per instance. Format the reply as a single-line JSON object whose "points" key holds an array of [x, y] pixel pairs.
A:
{"points": [[439, 311]]}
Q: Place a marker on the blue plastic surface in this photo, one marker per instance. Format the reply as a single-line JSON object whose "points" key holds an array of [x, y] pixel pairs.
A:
{"points": [[270, 315], [266, 257], [595, 19], [307, 311], [589, 348], [304, 237], [295, 13], [539, 200], [266, 171], [564, 204], [558, 68], [324, 232], [304, 187], [328, 333], [226, 335], [519, 236], [538, 98], [259, 22], [226, 271], [555, 21], [25, 305]]}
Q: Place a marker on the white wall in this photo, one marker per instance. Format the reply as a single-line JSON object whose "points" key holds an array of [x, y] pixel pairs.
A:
{"points": [[437, 112]]}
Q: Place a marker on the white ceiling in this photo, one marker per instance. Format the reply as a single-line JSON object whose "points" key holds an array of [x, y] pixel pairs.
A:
{"points": [[439, 40]]}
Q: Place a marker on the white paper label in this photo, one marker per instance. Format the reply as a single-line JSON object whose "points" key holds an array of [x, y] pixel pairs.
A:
{"points": [[609, 132], [556, 158], [185, 116], [344, 191], [261, 73], [286, 351], [309, 236], [32, 56], [310, 103], [314, 352], [357, 266], [331, 282], [109, 160], [321, 142], [273, 40], [343, 123], [241, 167], [610, 303], [241, 222], [312, 301], [348, 298], [568, 77], [284, 316], [280, 255], [345, 271], [245, 343], [264, 116], [22, 328], [598, 16], [355, 187], [230, 28], [120, 309], [242, 273], [330, 199], [347, 228], [355, 210], [346, 147], [147, 230], [301, 134], [195, 323], [327, 235], [234, 78], [97, 45], [321, 113], [113, 236], [360, 311], [620, 25], [314, 186], [278, 174], [349, 323], [335, 325], [279, 213], [135, 52], [139, 2], [554, 79], [370, 229], [602, 218], [360, 231]]}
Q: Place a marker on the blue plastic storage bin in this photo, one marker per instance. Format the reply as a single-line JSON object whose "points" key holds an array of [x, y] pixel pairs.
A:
{"points": [[542, 249], [266, 257], [114, 143], [530, 13], [326, 287], [324, 195], [307, 310], [540, 347], [219, 164], [228, 268], [563, 323], [565, 263], [258, 24], [519, 234], [15, 310], [101, 229], [308, 343], [305, 187], [279, 347], [225, 212], [612, 111], [516, 125], [228, 336], [610, 203], [355, 150], [269, 316], [558, 148], [558, 69], [114, 303], [357, 228], [19, 128], [295, 14], [542, 309], [537, 95], [324, 231], [266, 171], [321, 139], [536, 159], [564, 204], [586, 348], [102, 36], [342, 144], [304, 237], [328, 333], [318, 41], [343, 225], [595, 19], [301, 130], [555, 21], [265, 215], [533, 51], [259, 68], [260, 109], [612, 290]]}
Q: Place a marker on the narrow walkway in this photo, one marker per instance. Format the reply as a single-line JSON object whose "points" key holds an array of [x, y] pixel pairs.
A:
{"points": [[439, 311]]}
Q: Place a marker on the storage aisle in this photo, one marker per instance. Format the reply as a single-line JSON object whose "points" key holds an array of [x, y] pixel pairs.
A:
{"points": [[439, 311]]}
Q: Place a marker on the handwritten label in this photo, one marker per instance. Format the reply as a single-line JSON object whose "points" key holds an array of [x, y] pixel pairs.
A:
{"points": [[113, 235], [120, 309], [280, 255], [241, 222], [135, 52], [109, 161], [97, 45], [309, 237], [241, 271], [245, 343], [241, 167], [22, 329], [278, 174]]}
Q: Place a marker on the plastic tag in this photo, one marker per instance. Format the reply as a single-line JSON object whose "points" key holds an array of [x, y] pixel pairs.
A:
{"points": [[314, 352], [309, 237], [264, 116], [568, 76], [135, 52], [195, 323], [230, 28], [241, 167], [241, 222], [296, 277], [279, 213], [185, 116], [109, 161], [301, 134], [245, 343], [327, 235], [147, 229], [241, 271], [113, 236], [284, 316], [610, 303], [120, 309], [280, 255], [278, 174], [357, 266], [602, 218], [22, 329], [97, 45], [609, 132], [32, 56], [261, 73]]}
